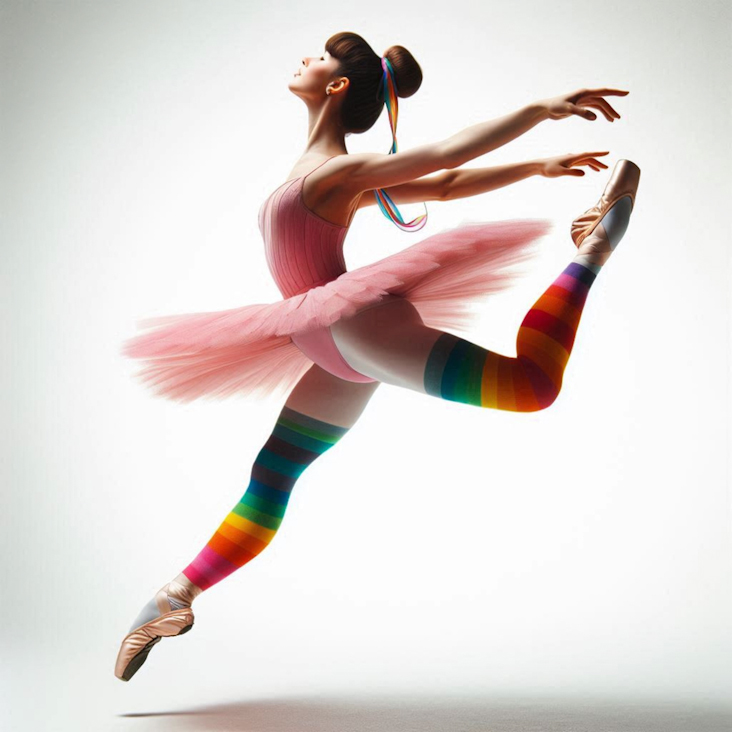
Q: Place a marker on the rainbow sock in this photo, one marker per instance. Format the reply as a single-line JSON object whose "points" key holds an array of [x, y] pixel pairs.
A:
{"points": [[296, 441], [461, 371]]}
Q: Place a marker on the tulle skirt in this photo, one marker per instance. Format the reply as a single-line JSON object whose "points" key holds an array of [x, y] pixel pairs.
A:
{"points": [[249, 351]]}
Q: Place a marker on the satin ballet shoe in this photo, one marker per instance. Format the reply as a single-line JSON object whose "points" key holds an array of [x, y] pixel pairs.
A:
{"points": [[176, 617], [623, 183]]}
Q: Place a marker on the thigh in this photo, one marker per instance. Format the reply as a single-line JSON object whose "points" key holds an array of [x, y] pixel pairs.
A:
{"points": [[326, 397], [388, 342]]}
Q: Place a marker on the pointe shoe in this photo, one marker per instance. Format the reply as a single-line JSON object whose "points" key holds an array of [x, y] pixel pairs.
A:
{"points": [[623, 182], [176, 618]]}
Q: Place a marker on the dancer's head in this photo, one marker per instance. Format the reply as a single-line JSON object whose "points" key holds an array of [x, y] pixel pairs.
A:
{"points": [[345, 82]]}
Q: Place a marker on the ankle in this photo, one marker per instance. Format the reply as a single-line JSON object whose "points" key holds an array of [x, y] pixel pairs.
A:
{"points": [[182, 588], [595, 249]]}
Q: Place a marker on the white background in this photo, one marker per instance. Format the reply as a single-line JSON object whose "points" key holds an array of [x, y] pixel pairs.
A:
{"points": [[439, 548]]}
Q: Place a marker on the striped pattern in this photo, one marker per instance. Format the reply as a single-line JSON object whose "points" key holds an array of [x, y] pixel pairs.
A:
{"points": [[461, 371], [387, 206], [302, 249], [296, 441]]}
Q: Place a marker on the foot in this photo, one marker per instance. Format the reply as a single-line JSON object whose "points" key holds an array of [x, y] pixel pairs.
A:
{"points": [[598, 230], [175, 595], [167, 614], [597, 247]]}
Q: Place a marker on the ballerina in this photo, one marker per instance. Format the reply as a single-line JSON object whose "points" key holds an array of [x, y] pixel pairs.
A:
{"points": [[336, 334]]}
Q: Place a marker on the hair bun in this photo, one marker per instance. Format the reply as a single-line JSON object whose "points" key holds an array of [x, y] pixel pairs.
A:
{"points": [[407, 72]]}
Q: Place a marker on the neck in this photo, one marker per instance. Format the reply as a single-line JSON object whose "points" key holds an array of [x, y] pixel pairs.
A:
{"points": [[325, 134]]}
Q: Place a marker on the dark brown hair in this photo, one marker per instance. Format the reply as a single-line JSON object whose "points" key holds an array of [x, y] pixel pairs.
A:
{"points": [[362, 66]]}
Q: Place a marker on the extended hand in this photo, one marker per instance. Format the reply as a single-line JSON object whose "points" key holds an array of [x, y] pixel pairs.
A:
{"points": [[577, 103], [562, 164]]}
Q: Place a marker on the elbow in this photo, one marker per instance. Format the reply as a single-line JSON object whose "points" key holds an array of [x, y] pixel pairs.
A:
{"points": [[445, 186], [449, 157]]}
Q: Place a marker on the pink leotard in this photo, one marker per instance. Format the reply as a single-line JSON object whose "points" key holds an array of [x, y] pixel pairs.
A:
{"points": [[260, 348], [303, 251]]}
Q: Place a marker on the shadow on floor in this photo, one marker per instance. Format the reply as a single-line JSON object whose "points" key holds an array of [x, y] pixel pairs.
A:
{"points": [[446, 714]]}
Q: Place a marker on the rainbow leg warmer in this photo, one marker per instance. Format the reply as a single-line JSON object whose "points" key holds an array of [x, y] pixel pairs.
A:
{"points": [[297, 440], [461, 371]]}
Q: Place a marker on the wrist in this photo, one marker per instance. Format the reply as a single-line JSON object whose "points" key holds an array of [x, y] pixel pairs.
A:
{"points": [[536, 167], [539, 110]]}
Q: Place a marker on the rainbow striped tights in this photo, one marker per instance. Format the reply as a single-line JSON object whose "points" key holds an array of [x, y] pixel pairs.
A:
{"points": [[297, 440], [456, 370], [461, 371]]}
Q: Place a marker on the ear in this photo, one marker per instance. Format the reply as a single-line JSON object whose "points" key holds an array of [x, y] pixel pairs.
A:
{"points": [[339, 86]]}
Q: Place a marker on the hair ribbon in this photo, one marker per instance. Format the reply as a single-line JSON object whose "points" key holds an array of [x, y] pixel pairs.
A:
{"points": [[388, 207]]}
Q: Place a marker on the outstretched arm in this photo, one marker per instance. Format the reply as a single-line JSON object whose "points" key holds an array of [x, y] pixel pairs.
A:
{"points": [[360, 172], [472, 181], [479, 139], [453, 184]]}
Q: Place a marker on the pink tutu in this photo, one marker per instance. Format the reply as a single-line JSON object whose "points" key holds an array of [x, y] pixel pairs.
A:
{"points": [[248, 351]]}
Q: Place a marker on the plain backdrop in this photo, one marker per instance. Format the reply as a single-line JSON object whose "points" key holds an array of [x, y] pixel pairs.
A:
{"points": [[578, 552]]}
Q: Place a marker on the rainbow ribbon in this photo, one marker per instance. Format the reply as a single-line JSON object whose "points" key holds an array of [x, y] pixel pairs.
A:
{"points": [[388, 207]]}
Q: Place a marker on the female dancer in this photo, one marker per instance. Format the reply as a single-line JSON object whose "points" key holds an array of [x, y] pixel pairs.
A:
{"points": [[336, 335]]}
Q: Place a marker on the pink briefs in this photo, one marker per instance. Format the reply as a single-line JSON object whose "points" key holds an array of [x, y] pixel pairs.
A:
{"points": [[319, 346]]}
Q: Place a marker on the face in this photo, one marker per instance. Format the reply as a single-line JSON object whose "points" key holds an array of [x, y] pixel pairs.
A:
{"points": [[315, 75]]}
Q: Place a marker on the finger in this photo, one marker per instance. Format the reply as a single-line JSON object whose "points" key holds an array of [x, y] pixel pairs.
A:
{"points": [[602, 105], [611, 108], [585, 155], [606, 92], [595, 105], [566, 169], [589, 158], [607, 105], [584, 159], [586, 113], [589, 164]]}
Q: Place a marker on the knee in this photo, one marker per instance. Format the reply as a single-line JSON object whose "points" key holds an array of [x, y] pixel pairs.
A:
{"points": [[549, 401], [547, 397], [529, 402], [544, 388]]}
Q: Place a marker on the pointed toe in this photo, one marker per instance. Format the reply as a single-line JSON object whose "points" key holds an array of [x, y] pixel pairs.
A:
{"points": [[138, 643], [623, 182]]}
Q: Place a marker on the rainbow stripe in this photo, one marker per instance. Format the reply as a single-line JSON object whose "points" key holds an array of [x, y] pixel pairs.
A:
{"points": [[461, 371], [296, 441], [387, 206]]}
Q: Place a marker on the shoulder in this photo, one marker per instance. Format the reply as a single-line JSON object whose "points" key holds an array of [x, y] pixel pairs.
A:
{"points": [[340, 170], [360, 172]]}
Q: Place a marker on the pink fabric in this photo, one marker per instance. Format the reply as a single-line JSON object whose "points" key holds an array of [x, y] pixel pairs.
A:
{"points": [[303, 250], [319, 345], [252, 351], [209, 567]]}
